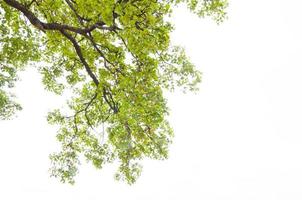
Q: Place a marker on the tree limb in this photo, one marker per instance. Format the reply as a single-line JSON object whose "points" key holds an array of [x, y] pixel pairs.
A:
{"points": [[55, 26]]}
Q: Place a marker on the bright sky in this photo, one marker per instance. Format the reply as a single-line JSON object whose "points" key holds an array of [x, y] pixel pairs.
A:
{"points": [[239, 138]]}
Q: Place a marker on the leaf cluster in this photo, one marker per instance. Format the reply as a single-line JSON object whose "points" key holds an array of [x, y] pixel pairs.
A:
{"points": [[116, 58]]}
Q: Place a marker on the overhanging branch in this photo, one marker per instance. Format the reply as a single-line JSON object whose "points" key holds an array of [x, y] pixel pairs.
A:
{"points": [[55, 26]]}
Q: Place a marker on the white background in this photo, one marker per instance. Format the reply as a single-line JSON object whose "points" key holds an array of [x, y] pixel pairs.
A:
{"points": [[239, 138]]}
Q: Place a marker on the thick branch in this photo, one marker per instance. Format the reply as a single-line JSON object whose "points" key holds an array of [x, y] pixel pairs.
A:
{"points": [[54, 26], [79, 52]]}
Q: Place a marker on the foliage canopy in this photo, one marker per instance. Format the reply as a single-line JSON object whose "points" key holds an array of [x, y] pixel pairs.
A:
{"points": [[116, 57]]}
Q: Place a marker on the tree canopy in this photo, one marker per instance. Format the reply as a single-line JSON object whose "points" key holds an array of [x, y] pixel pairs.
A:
{"points": [[116, 58]]}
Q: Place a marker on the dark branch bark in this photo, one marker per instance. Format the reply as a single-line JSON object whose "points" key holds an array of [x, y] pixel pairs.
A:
{"points": [[110, 102], [79, 52], [55, 26], [80, 19]]}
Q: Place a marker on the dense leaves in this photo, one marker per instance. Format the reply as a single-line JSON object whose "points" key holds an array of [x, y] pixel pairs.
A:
{"points": [[116, 57]]}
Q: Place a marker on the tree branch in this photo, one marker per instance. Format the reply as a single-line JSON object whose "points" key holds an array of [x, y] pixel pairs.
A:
{"points": [[79, 52], [55, 26]]}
